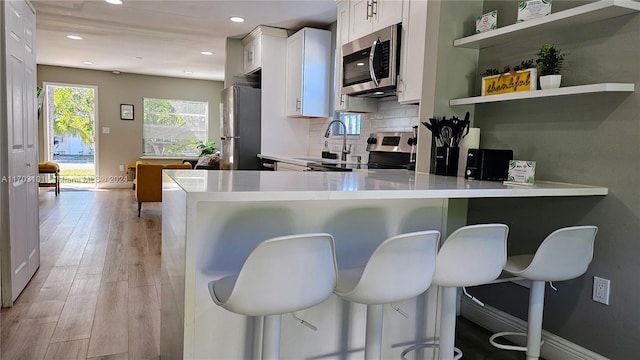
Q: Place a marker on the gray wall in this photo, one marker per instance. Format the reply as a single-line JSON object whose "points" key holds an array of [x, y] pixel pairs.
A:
{"points": [[124, 143], [586, 139]]}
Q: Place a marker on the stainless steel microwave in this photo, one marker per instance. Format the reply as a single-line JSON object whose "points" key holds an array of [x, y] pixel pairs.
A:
{"points": [[370, 64]]}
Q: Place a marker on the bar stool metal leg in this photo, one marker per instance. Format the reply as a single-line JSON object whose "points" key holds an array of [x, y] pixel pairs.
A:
{"points": [[534, 326], [448, 324], [373, 341], [271, 337]]}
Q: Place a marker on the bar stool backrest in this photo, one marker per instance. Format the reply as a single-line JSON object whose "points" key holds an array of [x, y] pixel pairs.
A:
{"points": [[472, 255], [285, 274], [565, 254], [400, 268]]}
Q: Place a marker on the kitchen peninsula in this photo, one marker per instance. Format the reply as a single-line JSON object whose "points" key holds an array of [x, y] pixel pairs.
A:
{"points": [[213, 219]]}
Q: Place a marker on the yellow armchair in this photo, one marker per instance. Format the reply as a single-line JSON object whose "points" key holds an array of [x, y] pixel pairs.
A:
{"points": [[148, 182]]}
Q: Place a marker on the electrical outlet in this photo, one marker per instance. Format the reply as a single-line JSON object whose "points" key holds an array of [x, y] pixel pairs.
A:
{"points": [[601, 290], [121, 167]]}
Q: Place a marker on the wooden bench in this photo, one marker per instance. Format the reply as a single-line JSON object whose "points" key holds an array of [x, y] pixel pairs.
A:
{"points": [[49, 167]]}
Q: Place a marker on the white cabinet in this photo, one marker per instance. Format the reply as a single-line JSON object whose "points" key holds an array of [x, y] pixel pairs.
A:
{"points": [[367, 16], [387, 13], [414, 26], [252, 54], [308, 73], [252, 46], [344, 102]]}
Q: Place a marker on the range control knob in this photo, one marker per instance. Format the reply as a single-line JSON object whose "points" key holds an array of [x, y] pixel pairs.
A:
{"points": [[412, 141], [372, 140]]}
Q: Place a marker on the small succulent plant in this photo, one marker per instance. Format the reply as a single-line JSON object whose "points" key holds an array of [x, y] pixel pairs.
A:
{"points": [[550, 60]]}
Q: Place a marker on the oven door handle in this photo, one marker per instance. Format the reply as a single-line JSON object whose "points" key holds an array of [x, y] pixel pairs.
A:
{"points": [[372, 54]]}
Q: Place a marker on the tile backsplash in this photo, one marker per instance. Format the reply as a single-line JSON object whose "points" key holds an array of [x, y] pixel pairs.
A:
{"points": [[391, 116]]}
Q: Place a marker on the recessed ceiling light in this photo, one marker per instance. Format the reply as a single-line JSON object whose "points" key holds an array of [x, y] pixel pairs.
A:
{"points": [[87, 62], [206, 53], [74, 37], [114, 2], [188, 72], [236, 19]]}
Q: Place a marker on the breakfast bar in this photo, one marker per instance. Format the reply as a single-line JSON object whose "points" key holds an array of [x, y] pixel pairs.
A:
{"points": [[212, 220]]}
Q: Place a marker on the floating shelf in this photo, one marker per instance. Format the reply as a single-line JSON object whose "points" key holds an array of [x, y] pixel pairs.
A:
{"points": [[601, 10], [563, 91]]}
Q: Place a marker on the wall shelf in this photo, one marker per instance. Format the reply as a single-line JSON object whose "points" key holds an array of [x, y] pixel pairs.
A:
{"points": [[601, 10], [563, 91]]}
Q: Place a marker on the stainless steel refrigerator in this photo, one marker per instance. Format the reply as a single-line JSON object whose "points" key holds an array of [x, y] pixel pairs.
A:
{"points": [[240, 128]]}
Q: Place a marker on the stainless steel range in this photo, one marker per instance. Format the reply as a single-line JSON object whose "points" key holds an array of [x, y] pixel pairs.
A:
{"points": [[391, 150]]}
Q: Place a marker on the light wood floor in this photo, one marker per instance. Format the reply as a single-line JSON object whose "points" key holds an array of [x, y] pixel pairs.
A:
{"points": [[96, 294]]}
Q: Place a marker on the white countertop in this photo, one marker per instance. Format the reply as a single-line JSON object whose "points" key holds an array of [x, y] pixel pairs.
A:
{"points": [[371, 184]]}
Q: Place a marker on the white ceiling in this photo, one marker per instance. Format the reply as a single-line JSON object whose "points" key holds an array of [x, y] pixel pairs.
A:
{"points": [[160, 37]]}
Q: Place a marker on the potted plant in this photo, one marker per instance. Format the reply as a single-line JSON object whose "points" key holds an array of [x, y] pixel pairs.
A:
{"points": [[207, 148], [208, 158], [549, 61]]}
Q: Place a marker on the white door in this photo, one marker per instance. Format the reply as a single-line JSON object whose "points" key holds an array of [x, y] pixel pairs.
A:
{"points": [[22, 146], [31, 141]]}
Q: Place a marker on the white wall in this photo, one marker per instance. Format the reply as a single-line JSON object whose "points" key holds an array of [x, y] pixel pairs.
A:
{"points": [[391, 116]]}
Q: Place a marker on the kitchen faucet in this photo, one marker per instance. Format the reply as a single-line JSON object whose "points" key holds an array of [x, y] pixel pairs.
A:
{"points": [[345, 151]]}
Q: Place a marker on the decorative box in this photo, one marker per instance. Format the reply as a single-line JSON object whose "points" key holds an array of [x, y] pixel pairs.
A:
{"points": [[523, 80]]}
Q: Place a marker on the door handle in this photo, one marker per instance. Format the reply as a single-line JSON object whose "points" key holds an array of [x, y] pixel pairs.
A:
{"points": [[372, 54]]}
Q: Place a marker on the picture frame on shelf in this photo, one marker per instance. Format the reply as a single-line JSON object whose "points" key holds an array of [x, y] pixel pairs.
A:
{"points": [[126, 112]]}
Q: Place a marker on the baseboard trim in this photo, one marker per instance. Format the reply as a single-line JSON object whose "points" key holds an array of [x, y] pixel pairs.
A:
{"points": [[554, 347]]}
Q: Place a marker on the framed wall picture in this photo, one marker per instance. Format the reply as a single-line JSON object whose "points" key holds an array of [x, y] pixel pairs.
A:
{"points": [[126, 112]]}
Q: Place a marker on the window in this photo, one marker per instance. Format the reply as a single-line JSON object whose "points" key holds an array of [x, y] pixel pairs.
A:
{"points": [[351, 120], [172, 127]]}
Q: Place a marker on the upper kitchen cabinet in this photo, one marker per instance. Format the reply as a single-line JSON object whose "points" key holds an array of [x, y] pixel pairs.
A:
{"points": [[367, 16], [252, 45], [414, 29], [308, 73], [343, 102]]}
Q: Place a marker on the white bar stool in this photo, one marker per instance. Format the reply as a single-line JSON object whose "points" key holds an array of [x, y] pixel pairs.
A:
{"points": [[472, 255], [281, 275], [400, 268], [565, 254]]}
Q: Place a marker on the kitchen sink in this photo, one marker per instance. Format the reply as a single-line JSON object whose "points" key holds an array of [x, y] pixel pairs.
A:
{"points": [[318, 166], [314, 159]]}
